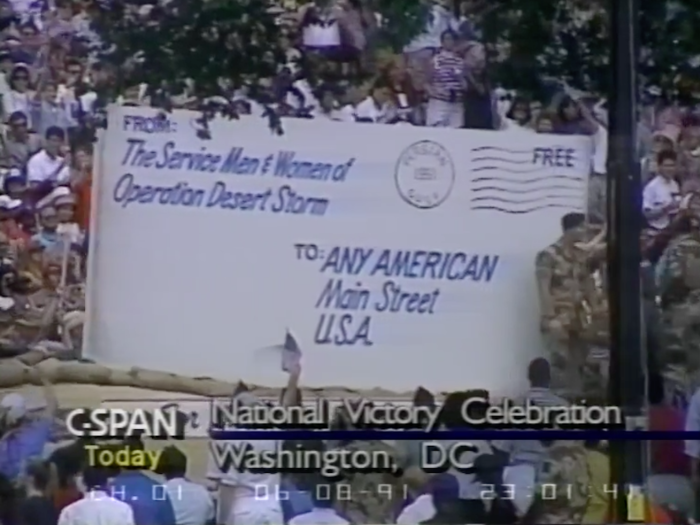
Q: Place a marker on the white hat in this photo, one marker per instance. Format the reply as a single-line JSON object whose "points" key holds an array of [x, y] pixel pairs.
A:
{"points": [[14, 406], [6, 203]]}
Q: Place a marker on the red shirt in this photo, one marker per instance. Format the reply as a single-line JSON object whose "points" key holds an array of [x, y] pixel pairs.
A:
{"points": [[668, 456]]}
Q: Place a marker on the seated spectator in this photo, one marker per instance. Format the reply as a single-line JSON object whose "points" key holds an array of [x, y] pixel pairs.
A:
{"points": [[49, 165], [375, 108], [661, 196], [20, 144]]}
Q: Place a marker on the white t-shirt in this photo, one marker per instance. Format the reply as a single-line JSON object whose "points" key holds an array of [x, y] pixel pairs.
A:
{"points": [[42, 167], [367, 109], [192, 503], [659, 193], [97, 508], [325, 32]]}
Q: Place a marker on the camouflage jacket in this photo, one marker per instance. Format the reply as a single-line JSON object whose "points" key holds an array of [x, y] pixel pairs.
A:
{"points": [[564, 271], [679, 269], [566, 480], [369, 497]]}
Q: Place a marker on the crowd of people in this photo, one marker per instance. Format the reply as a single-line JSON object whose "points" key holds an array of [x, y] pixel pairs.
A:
{"points": [[336, 70]]}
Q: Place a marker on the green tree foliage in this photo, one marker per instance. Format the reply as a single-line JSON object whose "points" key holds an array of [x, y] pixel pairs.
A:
{"points": [[569, 40]]}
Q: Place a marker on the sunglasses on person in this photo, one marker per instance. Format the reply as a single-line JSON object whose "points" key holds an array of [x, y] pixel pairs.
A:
{"points": [[19, 124]]}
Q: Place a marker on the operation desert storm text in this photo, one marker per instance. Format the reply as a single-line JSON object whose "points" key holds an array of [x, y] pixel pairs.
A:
{"points": [[317, 415]]}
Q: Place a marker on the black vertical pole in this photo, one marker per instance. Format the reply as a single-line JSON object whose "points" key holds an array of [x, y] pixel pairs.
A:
{"points": [[627, 354]]}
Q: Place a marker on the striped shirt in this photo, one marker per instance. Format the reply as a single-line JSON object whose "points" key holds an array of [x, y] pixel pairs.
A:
{"points": [[544, 397], [447, 78]]}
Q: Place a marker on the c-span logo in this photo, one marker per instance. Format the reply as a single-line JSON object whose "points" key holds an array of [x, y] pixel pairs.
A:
{"points": [[425, 174]]}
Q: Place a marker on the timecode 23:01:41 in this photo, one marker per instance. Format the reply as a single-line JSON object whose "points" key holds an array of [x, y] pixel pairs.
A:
{"points": [[546, 491]]}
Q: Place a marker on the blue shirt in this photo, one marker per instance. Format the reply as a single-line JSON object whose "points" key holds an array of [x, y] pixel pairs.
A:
{"points": [[23, 444], [146, 497]]}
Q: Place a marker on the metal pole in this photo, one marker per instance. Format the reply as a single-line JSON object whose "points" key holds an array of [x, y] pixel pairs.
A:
{"points": [[627, 386]]}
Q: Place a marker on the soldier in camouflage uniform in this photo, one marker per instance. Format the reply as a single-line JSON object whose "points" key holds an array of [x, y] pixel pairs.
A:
{"points": [[564, 283], [679, 287], [565, 475], [371, 497]]}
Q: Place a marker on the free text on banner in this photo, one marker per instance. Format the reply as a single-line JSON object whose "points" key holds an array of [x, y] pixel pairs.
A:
{"points": [[376, 246]]}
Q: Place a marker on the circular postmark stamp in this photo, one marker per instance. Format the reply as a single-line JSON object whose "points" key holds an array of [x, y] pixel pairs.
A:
{"points": [[424, 174]]}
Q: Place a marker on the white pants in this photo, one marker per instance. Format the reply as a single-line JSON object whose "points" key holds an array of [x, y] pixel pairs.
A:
{"points": [[523, 479], [254, 512], [444, 114]]}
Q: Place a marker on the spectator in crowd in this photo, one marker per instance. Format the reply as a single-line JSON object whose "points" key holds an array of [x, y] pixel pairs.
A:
{"points": [[322, 512], [447, 85], [37, 507], [48, 112], [24, 434], [98, 505], [192, 503], [376, 107], [20, 143], [49, 164], [669, 483], [573, 117], [66, 464], [20, 97], [662, 193], [140, 491], [479, 107]]}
